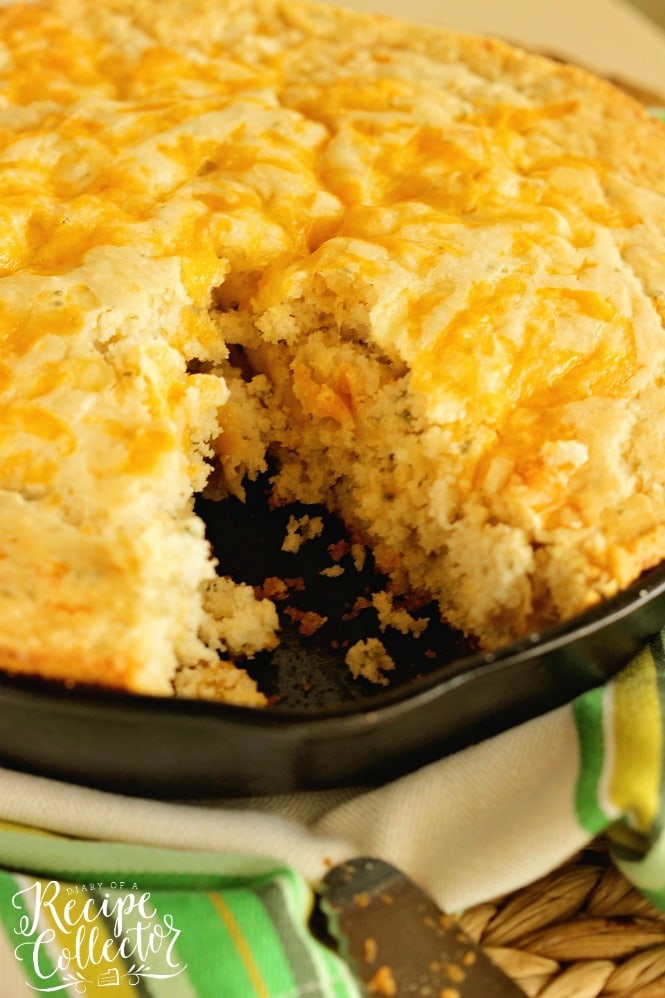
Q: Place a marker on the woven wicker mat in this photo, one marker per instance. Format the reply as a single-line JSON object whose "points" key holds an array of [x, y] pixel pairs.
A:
{"points": [[580, 932]]}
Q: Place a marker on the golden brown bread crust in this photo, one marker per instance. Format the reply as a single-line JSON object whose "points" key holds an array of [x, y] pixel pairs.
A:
{"points": [[444, 257]]}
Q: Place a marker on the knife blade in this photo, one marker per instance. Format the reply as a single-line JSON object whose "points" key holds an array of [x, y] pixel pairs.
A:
{"points": [[398, 941]]}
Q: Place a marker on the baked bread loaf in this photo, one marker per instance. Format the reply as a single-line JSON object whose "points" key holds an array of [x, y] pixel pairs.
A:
{"points": [[425, 271]]}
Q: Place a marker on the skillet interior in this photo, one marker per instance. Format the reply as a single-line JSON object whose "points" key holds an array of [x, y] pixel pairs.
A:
{"points": [[324, 728]]}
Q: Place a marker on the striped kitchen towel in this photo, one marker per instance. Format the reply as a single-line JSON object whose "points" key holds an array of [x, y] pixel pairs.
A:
{"points": [[620, 787], [107, 895], [166, 923]]}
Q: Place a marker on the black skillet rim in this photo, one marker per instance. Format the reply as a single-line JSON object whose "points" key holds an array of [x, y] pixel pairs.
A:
{"points": [[163, 747]]}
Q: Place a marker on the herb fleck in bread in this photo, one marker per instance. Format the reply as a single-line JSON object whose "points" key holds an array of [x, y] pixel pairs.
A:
{"points": [[425, 271]]}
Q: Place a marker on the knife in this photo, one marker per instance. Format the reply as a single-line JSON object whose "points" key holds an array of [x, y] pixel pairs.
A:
{"points": [[397, 940]]}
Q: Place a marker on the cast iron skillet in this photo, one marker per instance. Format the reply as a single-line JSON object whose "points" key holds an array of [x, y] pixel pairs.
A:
{"points": [[323, 729]]}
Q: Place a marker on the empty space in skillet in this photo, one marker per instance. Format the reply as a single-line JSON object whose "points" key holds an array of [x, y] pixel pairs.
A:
{"points": [[327, 608]]}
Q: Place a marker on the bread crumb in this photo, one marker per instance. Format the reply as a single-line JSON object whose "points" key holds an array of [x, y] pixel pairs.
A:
{"points": [[359, 555], [370, 660], [359, 604], [333, 572], [300, 529], [338, 549], [308, 621], [273, 589], [383, 982], [236, 621], [397, 618]]}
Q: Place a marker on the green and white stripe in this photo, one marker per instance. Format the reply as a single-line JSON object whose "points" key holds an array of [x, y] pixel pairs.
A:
{"points": [[620, 783], [209, 933]]}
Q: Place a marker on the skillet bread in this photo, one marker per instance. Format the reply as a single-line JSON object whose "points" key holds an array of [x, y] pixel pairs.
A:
{"points": [[424, 271]]}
